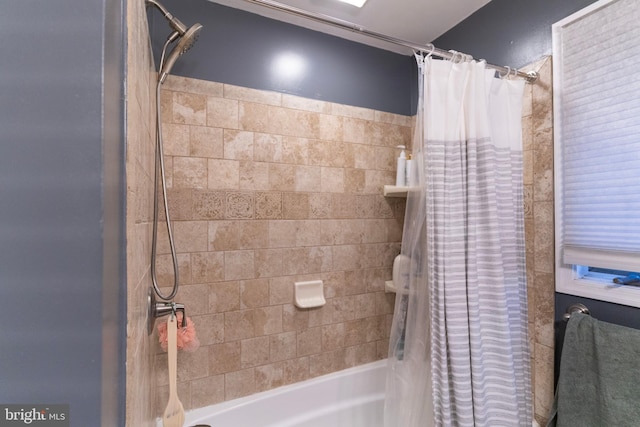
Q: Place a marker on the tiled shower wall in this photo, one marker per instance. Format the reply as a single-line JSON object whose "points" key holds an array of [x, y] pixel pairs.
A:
{"points": [[537, 126], [266, 189], [140, 118]]}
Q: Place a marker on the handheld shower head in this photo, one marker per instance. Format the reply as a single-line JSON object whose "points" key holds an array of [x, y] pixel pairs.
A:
{"points": [[185, 43], [186, 38]]}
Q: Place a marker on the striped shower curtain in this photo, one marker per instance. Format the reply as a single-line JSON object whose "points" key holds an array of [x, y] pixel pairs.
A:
{"points": [[459, 351]]}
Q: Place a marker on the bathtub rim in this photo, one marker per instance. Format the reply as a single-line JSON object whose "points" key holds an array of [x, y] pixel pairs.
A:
{"points": [[194, 415]]}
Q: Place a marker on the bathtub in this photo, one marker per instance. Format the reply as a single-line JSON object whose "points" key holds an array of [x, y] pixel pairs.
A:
{"points": [[350, 398]]}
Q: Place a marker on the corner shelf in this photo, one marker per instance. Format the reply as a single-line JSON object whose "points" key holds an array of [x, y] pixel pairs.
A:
{"points": [[395, 191]]}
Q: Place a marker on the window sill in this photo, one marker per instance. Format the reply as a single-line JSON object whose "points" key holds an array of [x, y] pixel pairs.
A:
{"points": [[618, 294]]}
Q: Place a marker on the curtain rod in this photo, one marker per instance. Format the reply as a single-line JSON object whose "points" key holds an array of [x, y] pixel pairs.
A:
{"points": [[530, 77]]}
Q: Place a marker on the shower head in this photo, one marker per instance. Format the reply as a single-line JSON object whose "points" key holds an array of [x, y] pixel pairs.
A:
{"points": [[185, 42]]}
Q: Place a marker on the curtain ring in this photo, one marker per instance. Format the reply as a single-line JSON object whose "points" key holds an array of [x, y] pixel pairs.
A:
{"points": [[515, 72], [506, 75], [433, 49]]}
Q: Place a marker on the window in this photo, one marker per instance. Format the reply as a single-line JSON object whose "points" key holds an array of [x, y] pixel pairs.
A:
{"points": [[596, 82]]}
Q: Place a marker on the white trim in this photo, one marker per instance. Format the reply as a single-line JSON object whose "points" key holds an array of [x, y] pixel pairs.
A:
{"points": [[566, 283]]}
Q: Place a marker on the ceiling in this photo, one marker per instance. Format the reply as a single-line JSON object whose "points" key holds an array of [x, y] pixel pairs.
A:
{"points": [[416, 21]]}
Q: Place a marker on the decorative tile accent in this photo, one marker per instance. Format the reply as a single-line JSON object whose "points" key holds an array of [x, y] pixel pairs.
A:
{"points": [[208, 204], [268, 205], [319, 205], [239, 206], [295, 205]]}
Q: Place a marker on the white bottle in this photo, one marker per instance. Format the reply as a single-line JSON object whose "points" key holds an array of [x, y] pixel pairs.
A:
{"points": [[409, 179], [401, 171]]}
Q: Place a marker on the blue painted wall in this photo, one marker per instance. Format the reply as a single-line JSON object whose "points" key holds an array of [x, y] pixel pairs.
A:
{"points": [[509, 32], [61, 221], [240, 48]]}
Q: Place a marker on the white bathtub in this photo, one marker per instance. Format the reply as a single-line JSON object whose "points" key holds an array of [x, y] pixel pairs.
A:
{"points": [[350, 398]]}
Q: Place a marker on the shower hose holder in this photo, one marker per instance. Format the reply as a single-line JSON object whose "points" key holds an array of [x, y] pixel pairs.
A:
{"points": [[162, 308]]}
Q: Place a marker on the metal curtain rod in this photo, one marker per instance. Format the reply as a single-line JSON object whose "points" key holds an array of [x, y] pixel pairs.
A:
{"points": [[530, 77]]}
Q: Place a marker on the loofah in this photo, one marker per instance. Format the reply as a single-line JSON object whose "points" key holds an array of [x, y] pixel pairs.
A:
{"points": [[186, 339]]}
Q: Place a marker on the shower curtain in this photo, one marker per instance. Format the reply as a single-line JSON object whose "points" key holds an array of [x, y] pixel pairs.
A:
{"points": [[459, 352]]}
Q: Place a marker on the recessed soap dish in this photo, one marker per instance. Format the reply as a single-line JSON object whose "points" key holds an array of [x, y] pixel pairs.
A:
{"points": [[309, 294]]}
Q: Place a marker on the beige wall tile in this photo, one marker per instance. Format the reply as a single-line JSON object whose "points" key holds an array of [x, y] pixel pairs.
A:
{"points": [[189, 108], [222, 113], [207, 391], [268, 189], [254, 352], [269, 376], [224, 297], [299, 103], [267, 147], [223, 174], [175, 139], [238, 325], [185, 84], [190, 236], [252, 95], [309, 342], [205, 142], [332, 180], [296, 370], [209, 328], [282, 346], [239, 265], [238, 145], [254, 293], [268, 320], [295, 150], [224, 357], [189, 172], [239, 383], [268, 262], [207, 267], [307, 178]]}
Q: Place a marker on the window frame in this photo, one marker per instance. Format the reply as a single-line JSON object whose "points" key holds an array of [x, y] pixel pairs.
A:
{"points": [[567, 279]]}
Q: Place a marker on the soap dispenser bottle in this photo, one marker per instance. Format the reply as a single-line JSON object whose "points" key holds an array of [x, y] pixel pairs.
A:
{"points": [[401, 170]]}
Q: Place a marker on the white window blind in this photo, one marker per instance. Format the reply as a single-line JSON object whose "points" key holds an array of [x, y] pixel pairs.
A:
{"points": [[597, 127]]}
